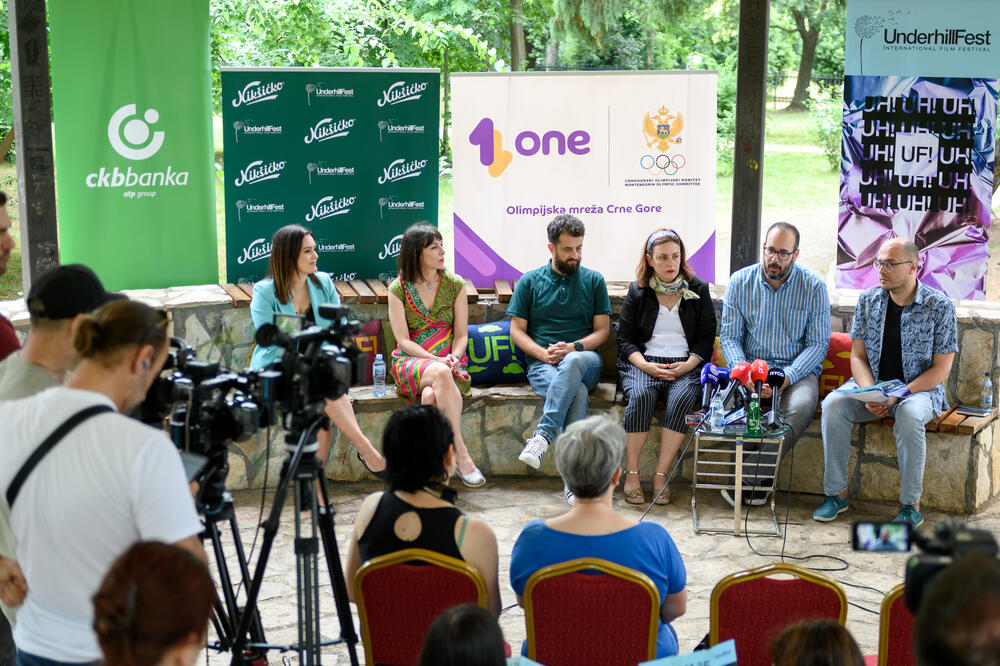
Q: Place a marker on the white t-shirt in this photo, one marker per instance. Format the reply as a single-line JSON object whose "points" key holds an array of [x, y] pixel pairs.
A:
{"points": [[111, 482], [668, 339]]}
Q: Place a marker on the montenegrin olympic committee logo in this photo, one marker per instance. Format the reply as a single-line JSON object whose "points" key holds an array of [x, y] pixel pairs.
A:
{"points": [[130, 135], [662, 132]]}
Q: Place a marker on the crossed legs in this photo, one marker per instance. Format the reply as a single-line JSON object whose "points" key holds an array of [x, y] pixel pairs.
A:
{"points": [[437, 387]]}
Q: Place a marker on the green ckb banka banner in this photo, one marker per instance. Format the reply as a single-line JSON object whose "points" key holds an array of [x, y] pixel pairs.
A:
{"points": [[133, 140], [350, 153]]}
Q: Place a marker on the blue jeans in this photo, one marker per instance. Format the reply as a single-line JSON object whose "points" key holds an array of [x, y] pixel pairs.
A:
{"points": [[28, 659], [841, 412], [565, 387]]}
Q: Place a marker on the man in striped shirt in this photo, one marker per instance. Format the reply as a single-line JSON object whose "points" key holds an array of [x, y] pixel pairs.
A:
{"points": [[779, 312]]}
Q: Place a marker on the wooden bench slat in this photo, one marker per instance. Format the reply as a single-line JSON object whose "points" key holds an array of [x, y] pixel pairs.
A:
{"points": [[380, 290], [973, 424], [935, 424], [246, 288], [950, 422], [471, 293], [365, 295], [503, 290], [347, 295], [238, 296]]}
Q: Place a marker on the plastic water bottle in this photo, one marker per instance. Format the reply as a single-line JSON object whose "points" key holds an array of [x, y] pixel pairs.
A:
{"points": [[753, 416], [986, 397], [716, 415], [378, 376]]}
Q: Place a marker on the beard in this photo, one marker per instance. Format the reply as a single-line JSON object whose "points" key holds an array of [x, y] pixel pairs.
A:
{"points": [[774, 271], [566, 268]]}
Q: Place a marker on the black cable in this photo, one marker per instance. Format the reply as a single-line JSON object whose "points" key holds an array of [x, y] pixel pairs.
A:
{"points": [[504, 610], [861, 587], [677, 462], [867, 610]]}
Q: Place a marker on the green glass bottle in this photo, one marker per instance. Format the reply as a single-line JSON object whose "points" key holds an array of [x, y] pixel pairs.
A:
{"points": [[753, 416]]}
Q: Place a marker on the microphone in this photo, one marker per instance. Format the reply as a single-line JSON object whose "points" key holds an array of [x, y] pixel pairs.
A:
{"points": [[775, 379], [723, 378], [709, 382], [737, 377], [269, 334], [758, 373]]}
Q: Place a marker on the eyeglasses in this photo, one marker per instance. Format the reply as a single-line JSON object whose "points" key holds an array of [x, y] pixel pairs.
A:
{"points": [[888, 265], [770, 253]]}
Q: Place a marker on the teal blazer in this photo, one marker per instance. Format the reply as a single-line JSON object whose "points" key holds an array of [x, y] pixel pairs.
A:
{"points": [[265, 304]]}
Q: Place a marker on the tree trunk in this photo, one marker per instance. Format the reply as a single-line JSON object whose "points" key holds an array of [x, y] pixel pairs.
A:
{"points": [[809, 32], [446, 111], [551, 54], [518, 48]]}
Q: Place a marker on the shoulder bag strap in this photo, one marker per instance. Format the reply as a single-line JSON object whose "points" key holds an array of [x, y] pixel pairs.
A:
{"points": [[50, 442]]}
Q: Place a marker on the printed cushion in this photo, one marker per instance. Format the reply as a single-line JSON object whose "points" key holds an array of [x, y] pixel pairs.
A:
{"points": [[836, 365], [369, 341], [492, 356]]}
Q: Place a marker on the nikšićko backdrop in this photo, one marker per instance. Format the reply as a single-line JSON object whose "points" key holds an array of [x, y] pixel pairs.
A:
{"points": [[133, 140], [350, 153]]}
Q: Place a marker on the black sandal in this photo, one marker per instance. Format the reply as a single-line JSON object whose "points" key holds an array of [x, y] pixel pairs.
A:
{"points": [[378, 475]]}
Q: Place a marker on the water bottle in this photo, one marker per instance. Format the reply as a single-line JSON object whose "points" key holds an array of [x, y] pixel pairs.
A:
{"points": [[378, 376], [753, 416], [716, 415], [986, 397]]}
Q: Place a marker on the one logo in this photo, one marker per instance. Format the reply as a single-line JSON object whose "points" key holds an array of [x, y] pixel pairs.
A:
{"points": [[401, 170], [392, 248], [131, 138], [255, 251], [255, 93], [400, 92], [327, 207], [258, 172], [527, 143], [662, 129], [326, 129]]}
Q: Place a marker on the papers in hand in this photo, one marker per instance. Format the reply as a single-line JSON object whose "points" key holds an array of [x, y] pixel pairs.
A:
{"points": [[878, 393]]}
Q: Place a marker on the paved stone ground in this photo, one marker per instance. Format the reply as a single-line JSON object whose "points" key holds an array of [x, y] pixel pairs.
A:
{"points": [[507, 504]]}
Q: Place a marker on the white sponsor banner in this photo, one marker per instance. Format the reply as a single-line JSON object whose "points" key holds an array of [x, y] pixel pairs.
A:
{"points": [[626, 152]]}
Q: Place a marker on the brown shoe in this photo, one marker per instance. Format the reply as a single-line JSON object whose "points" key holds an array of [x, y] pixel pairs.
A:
{"points": [[664, 497], [635, 496]]}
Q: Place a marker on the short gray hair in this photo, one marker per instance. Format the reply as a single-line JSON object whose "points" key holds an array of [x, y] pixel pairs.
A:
{"points": [[588, 453]]}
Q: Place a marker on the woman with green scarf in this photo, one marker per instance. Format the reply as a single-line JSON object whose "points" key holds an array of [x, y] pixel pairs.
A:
{"points": [[666, 332]]}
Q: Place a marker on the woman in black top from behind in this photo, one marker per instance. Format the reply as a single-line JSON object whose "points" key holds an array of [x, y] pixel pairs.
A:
{"points": [[417, 511]]}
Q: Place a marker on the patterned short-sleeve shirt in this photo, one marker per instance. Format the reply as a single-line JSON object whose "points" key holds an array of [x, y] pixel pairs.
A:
{"points": [[927, 326]]}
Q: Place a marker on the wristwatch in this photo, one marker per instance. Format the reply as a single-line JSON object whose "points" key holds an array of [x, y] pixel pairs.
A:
{"points": [[578, 345]]}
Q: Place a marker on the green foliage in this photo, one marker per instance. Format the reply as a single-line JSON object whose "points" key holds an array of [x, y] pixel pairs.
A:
{"points": [[827, 115]]}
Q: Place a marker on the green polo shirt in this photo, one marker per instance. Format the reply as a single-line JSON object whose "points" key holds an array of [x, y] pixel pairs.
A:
{"points": [[559, 308]]}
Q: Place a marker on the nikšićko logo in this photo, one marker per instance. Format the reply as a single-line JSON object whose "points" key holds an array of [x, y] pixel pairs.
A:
{"points": [[400, 170], [131, 137], [401, 91], [257, 172], [328, 207], [327, 129], [255, 251], [392, 248], [255, 92]]}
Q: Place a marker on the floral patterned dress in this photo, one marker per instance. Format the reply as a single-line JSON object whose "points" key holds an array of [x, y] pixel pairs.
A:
{"points": [[430, 327]]}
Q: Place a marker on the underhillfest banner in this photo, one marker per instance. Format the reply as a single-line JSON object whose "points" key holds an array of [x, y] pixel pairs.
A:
{"points": [[920, 110], [133, 140], [350, 153], [624, 152]]}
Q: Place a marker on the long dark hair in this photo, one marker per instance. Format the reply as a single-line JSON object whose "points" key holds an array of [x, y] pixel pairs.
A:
{"points": [[643, 272], [414, 444], [415, 239], [464, 635], [285, 248]]}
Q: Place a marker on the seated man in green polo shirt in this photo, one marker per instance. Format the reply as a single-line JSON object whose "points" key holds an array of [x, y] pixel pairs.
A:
{"points": [[560, 313]]}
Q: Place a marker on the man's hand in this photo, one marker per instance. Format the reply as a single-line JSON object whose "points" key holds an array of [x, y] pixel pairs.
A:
{"points": [[881, 409], [13, 587], [557, 351]]}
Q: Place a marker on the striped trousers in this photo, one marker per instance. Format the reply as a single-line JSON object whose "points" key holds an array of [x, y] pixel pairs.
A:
{"points": [[642, 392]]}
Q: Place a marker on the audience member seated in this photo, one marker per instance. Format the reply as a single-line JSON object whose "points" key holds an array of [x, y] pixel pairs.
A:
{"points": [[959, 619], [152, 607], [417, 510], [465, 635], [588, 456], [666, 333], [816, 643]]}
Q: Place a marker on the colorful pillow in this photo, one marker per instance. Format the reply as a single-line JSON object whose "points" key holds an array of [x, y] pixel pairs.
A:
{"points": [[369, 341], [493, 358], [836, 365]]}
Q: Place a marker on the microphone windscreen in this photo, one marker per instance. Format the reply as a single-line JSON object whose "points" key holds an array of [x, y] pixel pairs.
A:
{"points": [[740, 372], [723, 377], [776, 377], [758, 370], [709, 374]]}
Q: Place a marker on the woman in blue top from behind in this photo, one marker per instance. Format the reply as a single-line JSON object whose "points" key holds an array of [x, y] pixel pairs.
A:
{"points": [[588, 455], [294, 286]]}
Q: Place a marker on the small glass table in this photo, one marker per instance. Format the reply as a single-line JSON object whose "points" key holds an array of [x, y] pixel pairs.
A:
{"points": [[735, 461]]}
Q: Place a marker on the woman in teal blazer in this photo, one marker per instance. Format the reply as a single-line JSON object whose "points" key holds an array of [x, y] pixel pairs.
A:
{"points": [[294, 286]]}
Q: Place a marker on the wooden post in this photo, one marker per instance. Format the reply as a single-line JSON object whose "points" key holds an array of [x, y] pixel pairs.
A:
{"points": [[29, 67], [748, 158]]}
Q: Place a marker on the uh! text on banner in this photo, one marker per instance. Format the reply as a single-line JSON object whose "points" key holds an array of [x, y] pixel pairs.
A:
{"points": [[133, 141], [624, 152], [920, 109]]}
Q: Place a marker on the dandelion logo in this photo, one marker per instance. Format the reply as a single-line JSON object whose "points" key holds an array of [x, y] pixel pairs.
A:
{"points": [[237, 126], [310, 89], [381, 205], [310, 168], [866, 27], [240, 205], [382, 124]]}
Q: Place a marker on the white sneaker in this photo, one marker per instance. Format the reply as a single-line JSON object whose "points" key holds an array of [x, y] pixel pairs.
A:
{"points": [[569, 494], [534, 449]]}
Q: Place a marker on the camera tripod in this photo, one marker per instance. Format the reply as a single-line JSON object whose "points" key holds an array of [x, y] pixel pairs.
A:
{"points": [[306, 471]]}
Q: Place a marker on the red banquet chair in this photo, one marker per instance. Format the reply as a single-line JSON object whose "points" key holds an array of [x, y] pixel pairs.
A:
{"points": [[895, 630], [399, 595], [752, 607], [581, 619]]}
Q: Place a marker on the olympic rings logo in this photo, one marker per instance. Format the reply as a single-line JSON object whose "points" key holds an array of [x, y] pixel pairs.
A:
{"points": [[662, 164]]}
